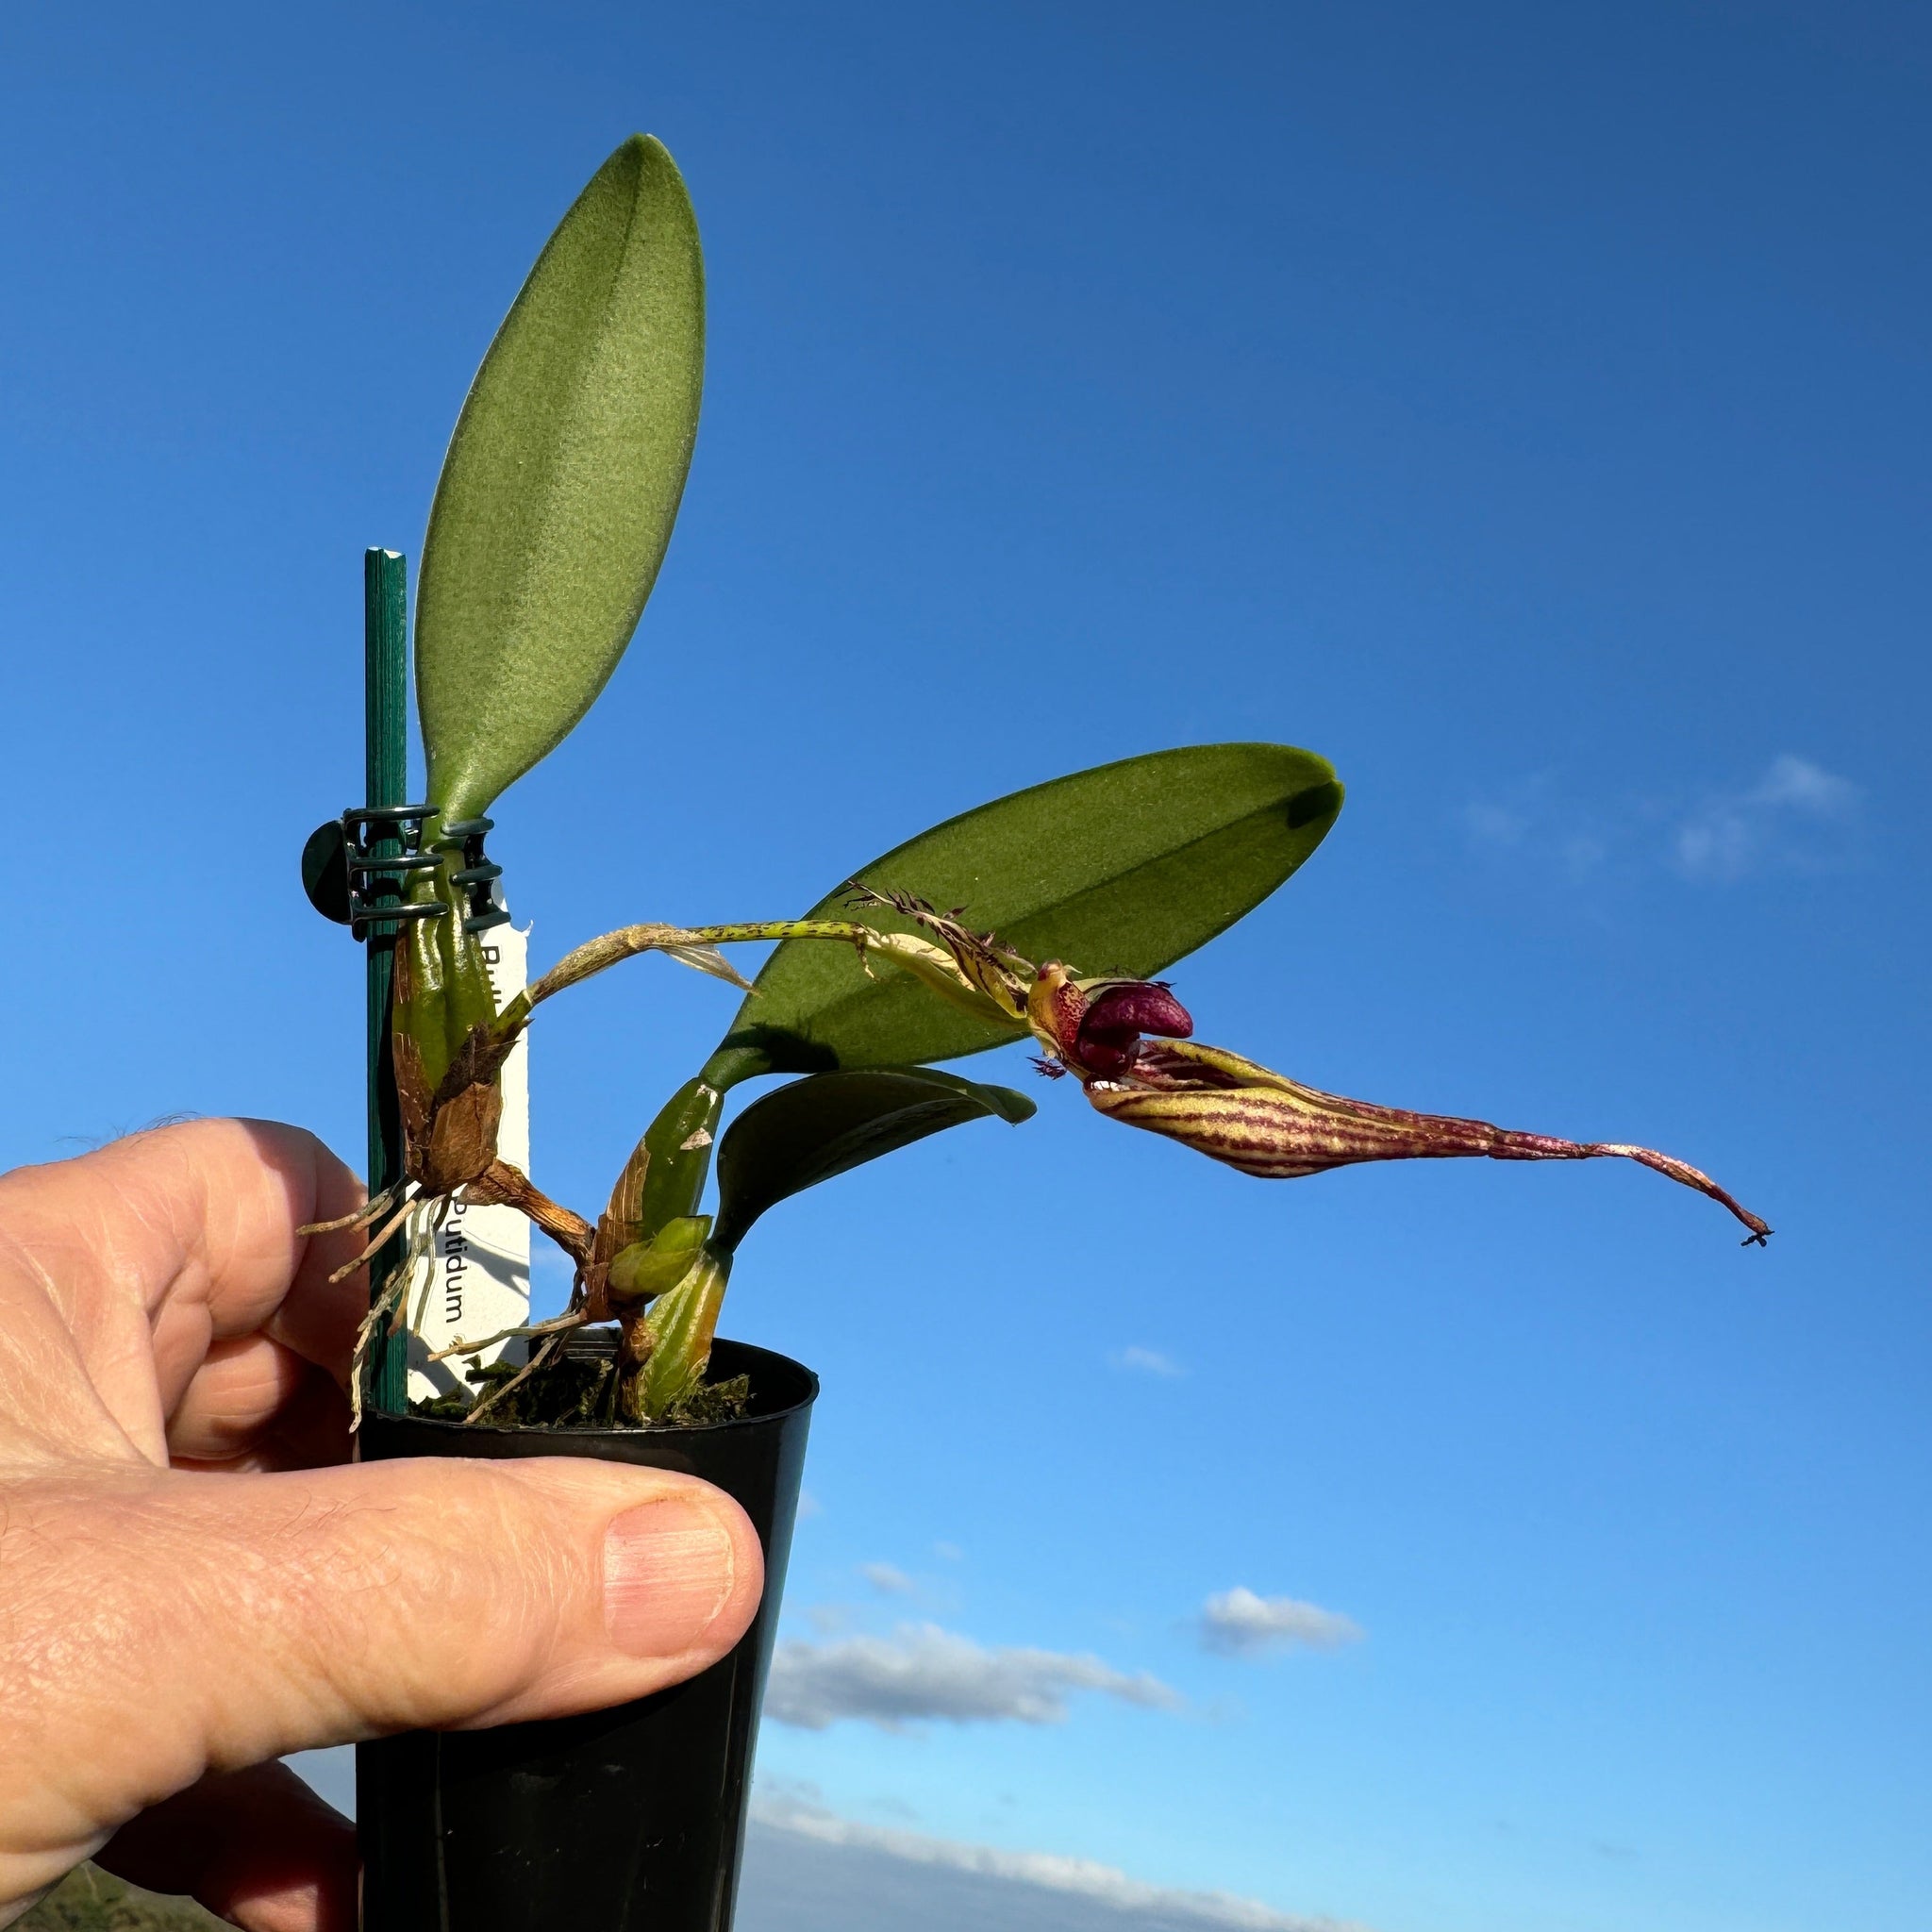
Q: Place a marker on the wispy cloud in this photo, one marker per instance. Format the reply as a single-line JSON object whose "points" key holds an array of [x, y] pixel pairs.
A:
{"points": [[1146, 1361], [1794, 816], [1237, 1622], [879, 1876], [923, 1672], [1797, 817], [888, 1580], [808, 1869], [1532, 821]]}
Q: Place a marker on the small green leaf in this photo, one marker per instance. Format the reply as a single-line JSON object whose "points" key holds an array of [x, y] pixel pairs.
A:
{"points": [[806, 1132], [1119, 869], [680, 1325], [563, 482], [647, 1268]]}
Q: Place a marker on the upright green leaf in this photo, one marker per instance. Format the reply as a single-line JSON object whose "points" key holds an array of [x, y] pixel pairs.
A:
{"points": [[561, 482], [806, 1132], [1121, 869]]}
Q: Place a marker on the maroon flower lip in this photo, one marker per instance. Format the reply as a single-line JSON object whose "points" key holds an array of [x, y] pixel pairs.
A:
{"points": [[1113, 1019]]}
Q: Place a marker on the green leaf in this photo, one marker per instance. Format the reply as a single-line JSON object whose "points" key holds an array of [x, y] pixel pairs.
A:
{"points": [[806, 1132], [563, 482], [648, 1268], [680, 1325], [1119, 869]]}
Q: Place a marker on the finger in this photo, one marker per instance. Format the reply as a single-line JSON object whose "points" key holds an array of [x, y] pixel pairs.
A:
{"points": [[257, 1847], [161, 1244], [254, 1404], [171, 1624]]}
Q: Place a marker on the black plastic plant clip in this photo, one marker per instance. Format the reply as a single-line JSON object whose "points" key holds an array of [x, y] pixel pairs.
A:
{"points": [[478, 875], [354, 868], [352, 880]]}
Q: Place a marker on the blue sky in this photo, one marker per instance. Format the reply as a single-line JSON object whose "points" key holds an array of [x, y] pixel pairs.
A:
{"points": [[1525, 409]]}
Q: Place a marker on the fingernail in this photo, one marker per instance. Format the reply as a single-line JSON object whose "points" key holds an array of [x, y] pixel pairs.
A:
{"points": [[668, 1567]]}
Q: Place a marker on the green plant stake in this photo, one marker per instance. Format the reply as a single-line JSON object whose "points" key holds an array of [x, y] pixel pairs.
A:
{"points": [[386, 777]]}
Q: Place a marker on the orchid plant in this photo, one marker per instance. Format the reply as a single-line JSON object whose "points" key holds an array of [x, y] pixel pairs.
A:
{"points": [[1047, 914]]}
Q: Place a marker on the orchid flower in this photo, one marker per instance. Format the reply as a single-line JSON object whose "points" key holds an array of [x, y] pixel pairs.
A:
{"points": [[1130, 1044]]}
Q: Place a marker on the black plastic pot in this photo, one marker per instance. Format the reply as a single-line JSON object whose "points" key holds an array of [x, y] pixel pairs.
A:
{"points": [[629, 1819]]}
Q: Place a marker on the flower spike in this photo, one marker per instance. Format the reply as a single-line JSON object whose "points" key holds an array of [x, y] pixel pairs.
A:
{"points": [[992, 970]]}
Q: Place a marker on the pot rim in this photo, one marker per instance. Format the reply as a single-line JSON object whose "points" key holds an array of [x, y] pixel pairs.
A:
{"points": [[677, 1432]]}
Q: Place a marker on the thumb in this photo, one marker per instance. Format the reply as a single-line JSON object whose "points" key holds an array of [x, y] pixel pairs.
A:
{"points": [[174, 1623]]}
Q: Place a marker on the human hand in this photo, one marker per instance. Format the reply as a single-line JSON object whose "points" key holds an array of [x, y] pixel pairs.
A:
{"points": [[187, 1591]]}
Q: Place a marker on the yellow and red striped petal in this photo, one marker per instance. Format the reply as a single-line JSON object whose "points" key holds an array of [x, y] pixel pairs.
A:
{"points": [[1234, 1110]]}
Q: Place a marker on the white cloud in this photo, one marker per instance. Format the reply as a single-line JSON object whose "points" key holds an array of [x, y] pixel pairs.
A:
{"points": [[922, 1670], [1147, 1362], [1490, 823], [1237, 1623], [809, 1868], [1795, 818], [888, 1580], [1533, 822], [951, 1553]]}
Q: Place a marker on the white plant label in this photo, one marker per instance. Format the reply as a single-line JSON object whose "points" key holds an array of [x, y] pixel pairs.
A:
{"points": [[478, 1278]]}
